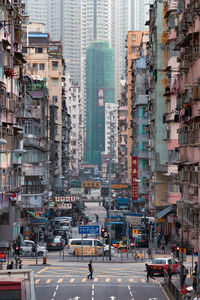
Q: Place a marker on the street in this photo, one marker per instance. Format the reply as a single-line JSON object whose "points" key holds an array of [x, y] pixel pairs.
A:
{"points": [[110, 281], [116, 280]]}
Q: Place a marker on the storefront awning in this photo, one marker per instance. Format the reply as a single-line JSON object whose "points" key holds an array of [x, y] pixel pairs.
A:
{"points": [[165, 211]]}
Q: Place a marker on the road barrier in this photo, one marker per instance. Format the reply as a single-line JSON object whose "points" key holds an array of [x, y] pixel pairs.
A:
{"points": [[172, 288]]}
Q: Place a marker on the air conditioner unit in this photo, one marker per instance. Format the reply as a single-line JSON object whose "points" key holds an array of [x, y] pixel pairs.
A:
{"points": [[197, 168]]}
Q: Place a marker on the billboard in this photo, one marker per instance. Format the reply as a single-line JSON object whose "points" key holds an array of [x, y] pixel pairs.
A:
{"points": [[134, 178]]}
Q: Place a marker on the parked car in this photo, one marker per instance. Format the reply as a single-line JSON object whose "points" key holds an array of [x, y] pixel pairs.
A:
{"points": [[55, 243], [90, 246], [26, 249], [160, 265]]}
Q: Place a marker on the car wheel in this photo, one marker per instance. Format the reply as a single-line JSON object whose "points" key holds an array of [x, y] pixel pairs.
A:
{"points": [[106, 253], [40, 253], [28, 253]]}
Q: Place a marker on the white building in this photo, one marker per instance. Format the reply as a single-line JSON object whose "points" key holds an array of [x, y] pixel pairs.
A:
{"points": [[119, 25], [111, 129], [139, 14], [37, 11], [74, 106]]}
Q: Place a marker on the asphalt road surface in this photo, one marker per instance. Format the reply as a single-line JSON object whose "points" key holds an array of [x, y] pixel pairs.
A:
{"points": [[111, 281]]}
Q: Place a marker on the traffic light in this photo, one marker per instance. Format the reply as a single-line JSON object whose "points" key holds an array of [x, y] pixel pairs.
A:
{"points": [[102, 232]]}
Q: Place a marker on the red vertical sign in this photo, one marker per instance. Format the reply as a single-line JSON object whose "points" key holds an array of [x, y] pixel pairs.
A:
{"points": [[134, 178]]}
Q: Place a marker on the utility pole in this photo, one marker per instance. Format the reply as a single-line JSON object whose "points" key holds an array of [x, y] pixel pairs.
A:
{"points": [[181, 269], [110, 163]]}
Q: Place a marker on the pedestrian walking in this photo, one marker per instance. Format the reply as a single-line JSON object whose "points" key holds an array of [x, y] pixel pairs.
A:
{"points": [[149, 252], [195, 267], [194, 282], [10, 266], [149, 272], [20, 264], [169, 272], [185, 271], [34, 250], [91, 270]]}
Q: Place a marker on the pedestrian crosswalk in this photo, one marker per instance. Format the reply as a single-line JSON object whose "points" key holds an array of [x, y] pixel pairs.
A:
{"points": [[76, 280]]}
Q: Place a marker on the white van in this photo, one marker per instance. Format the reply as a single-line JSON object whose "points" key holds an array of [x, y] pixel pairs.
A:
{"points": [[90, 247]]}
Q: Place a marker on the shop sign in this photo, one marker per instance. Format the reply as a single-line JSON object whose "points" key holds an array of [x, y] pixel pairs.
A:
{"points": [[64, 206], [134, 178]]}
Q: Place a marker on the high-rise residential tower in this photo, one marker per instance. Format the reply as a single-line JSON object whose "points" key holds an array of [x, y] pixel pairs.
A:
{"points": [[100, 90], [139, 14], [37, 11], [119, 30]]}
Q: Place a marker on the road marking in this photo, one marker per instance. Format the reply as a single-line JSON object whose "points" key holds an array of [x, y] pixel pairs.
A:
{"points": [[131, 280], [37, 281], [131, 294], [60, 280], [119, 280], [107, 279], [143, 280], [57, 287], [44, 269], [92, 292], [48, 280], [129, 287], [96, 279], [72, 280], [93, 286], [164, 291], [54, 294], [83, 280]]}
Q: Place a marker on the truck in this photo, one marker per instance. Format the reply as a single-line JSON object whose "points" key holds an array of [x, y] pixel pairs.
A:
{"points": [[122, 203]]}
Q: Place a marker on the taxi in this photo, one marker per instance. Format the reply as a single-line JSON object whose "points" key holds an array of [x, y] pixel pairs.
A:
{"points": [[160, 265]]}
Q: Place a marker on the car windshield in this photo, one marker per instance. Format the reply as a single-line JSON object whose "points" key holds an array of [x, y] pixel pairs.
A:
{"points": [[53, 240], [159, 261]]}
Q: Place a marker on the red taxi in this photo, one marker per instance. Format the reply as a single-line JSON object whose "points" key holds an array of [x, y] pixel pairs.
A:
{"points": [[159, 265]]}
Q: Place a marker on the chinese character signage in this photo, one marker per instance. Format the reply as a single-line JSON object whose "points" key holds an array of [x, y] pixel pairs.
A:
{"points": [[134, 178], [100, 95]]}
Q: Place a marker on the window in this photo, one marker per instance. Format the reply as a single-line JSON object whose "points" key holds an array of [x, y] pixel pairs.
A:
{"points": [[24, 50], [56, 129], [42, 67], [76, 242], [54, 65], [145, 129], [144, 113], [28, 66], [55, 82], [133, 50], [145, 146], [133, 37], [87, 243], [145, 164], [74, 116], [38, 50], [35, 67], [98, 244], [55, 98]]}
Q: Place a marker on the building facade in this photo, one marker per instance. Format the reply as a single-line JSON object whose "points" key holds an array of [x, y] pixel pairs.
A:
{"points": [[100, 90]]}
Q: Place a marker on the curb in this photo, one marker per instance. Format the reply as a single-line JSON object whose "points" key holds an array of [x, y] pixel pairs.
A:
{"points": [[168, 293]]}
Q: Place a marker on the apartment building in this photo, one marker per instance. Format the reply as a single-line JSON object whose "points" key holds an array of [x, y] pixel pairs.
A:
{"points": [[11, 125], [100, 90], [75, 112], [122, 172], [133, 44], [188, 104], [45, 65], [140, 126]]}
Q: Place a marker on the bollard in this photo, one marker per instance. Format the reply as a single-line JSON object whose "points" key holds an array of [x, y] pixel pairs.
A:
{"points": [[44, 259]]}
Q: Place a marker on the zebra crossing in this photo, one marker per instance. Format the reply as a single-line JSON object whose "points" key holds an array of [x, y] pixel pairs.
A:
{"points": [[101, 280]]}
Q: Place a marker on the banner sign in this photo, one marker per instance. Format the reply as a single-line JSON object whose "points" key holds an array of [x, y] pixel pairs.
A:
{"points": [[100, 97], [65, 199], [134, 178], [64, 206]]}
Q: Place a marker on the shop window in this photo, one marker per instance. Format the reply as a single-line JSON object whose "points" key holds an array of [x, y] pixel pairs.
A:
{"points": [[54, 65]]}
